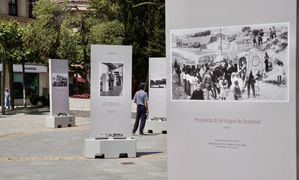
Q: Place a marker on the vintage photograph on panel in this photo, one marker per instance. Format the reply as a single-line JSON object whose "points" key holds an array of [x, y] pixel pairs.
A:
{"points": [[157, 80], [240, 63], [59, 80], [111, 79]]}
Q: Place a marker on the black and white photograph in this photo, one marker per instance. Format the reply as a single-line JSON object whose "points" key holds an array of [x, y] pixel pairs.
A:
{"points": [[157, 80], [236, 63], [59, 80], [111, 79]]}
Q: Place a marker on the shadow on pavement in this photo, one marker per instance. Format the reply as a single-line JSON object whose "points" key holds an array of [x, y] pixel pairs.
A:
{"points": [[140, 154], [37, 110]]}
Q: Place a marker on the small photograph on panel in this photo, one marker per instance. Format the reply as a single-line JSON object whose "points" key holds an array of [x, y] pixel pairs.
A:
{"points": [[157, 80], [59, 79], [111, 79], [237, 63]]}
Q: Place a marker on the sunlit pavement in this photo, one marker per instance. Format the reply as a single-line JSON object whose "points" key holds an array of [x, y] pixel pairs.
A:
{"points": [[29, 150]]}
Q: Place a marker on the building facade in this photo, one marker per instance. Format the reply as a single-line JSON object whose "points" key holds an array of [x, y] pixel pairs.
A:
{"points": [[19, 10]]}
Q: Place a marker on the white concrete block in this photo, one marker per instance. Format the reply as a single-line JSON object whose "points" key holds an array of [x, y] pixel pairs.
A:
{"points": [[110, 148], [155, 126], [60, 121]]}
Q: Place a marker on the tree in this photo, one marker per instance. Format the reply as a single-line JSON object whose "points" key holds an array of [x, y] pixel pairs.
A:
{"points": [[144, 28], [10, 43], [110, 32], [61, 30]]}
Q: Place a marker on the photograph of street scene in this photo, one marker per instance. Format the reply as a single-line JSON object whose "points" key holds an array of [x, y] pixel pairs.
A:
{"points": [[157, 80], [59, 80], [111, 79], [240, 63]]}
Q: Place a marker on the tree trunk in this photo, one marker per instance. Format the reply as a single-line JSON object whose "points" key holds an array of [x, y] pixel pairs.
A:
{"points": [[24, 88], [3, 83], [11, 87]]}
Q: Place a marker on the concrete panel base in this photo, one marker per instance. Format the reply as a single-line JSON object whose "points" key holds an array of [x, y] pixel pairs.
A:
{"points": [[110, 148], [156, 126], [60, 121]]}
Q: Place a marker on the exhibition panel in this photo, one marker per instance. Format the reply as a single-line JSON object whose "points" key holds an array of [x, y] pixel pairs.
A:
{"points": [[157, 96], [59, 95], [111, 72], [232, 93], [59, 88], [110, 108], [157, 87]]}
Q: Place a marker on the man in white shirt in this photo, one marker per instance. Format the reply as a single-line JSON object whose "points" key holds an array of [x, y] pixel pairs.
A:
{"points": [[140, 98]]}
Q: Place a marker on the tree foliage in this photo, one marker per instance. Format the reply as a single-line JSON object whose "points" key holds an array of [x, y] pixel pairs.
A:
{"points": [[11, 46], [61, 30]]}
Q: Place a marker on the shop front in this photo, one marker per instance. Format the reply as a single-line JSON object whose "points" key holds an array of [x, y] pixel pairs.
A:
{"points": [[35, 78]]}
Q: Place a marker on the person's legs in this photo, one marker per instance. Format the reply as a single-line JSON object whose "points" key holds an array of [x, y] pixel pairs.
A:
{"points": [[279, 79], [208, 93], [253, 89], [248, 90], [5, 103], [142, 122], [236, 97], [138, 115]]}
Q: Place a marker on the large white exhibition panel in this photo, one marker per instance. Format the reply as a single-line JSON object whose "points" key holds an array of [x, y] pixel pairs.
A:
{"points": [[250, 139], [157, 87], [111, 69], [59, 87]]}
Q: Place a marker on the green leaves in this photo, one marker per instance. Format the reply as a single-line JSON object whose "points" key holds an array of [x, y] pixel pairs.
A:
{"points": [[61, 31], [10, 40], [110, 32]]}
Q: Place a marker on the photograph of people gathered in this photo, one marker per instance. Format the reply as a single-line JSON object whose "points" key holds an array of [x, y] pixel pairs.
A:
{"points": [[239, 63]]}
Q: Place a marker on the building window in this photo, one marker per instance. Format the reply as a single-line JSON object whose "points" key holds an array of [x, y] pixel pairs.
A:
{"points": [[13, 7], [30, 8]]}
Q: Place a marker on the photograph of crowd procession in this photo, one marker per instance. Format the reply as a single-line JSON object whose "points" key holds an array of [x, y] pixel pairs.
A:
{"points": [[111, 79], [157, 80], [239, 63]]}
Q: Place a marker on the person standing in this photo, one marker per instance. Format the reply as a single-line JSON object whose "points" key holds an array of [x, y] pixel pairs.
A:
{"points": [[279, 74], [178, 71], [197, 93], [237, 91], [111, 80], [274, 32], [223, 84], [6, 99], [254, 41], [266, 62], [140, 98], [271, 33], [251, 83]]}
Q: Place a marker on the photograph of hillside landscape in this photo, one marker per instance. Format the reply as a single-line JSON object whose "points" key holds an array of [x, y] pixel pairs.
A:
{"points": [[236, 63]]}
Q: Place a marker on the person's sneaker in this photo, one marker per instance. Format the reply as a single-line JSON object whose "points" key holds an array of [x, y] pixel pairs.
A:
{"points": [[141, 134]]}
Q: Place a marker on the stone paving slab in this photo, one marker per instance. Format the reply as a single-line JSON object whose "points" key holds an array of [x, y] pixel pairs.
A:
{"points": [[29, 150]]}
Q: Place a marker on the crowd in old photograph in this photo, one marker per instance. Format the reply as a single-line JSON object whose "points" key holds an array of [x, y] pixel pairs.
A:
{"points": [[253, 55], [218, 81]]}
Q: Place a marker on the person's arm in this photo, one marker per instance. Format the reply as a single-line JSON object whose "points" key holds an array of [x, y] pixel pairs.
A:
{"points": [[146, 105], [146, 102], [134, 98]]}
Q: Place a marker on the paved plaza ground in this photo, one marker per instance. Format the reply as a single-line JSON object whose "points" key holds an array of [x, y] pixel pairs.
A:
{"points": [[29, 150]]}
